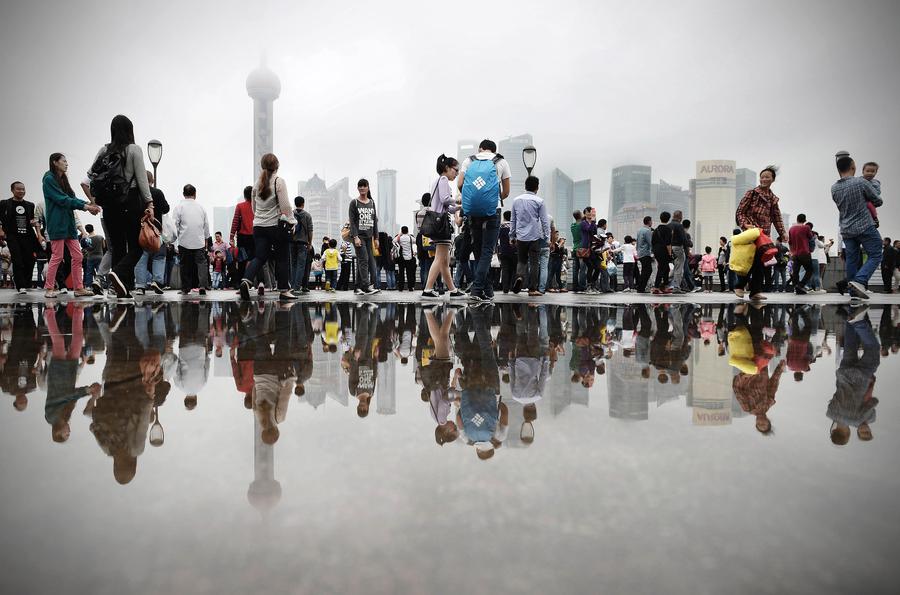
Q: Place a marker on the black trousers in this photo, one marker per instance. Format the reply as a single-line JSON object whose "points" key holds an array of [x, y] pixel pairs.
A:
{"points": [[508, 264], [21, 251], [529, 261], [406, 274], [756, 277], [344, 279], [194, 268], [644, 274], [123, 224], [662, 268], [271, 242], [805, 261]]}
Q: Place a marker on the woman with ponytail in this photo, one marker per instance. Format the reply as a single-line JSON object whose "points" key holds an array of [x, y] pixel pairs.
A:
{"points": [[59, 206], [363, 230], [123, 216], [442, 201], [273, 224]]}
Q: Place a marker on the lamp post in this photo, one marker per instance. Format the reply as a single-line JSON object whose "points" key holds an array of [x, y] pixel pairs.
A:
{"points": [[529, 157], [154, 153]]}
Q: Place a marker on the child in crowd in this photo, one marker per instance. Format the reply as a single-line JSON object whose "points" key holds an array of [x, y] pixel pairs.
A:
{"points": [[332, 265], [218, 268], [317, 271], [708, 266], [869, 171]]}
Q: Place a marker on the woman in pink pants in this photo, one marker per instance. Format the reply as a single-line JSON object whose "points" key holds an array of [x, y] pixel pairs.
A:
{"points": [[59, 206]]}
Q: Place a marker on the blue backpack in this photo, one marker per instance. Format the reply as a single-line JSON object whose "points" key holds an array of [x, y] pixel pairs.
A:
{"points": [[481, 187]]}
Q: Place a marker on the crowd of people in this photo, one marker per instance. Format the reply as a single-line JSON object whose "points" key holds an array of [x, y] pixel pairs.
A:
{"points": [[466, 243], [482, 374]]}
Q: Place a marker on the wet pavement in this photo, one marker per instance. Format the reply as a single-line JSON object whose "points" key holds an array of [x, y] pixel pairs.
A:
{"points": [[219, 447]]}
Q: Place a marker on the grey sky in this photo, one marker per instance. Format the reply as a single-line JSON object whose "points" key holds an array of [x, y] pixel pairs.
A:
{"points": [[367, 86]]}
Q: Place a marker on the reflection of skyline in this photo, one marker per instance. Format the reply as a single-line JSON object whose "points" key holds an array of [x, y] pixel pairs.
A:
{"points": [[649, 355]]}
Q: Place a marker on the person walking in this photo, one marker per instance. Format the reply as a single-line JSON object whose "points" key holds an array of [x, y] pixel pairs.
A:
{"points": [[759, 208], [575, 231], [530, 231], [20, 228], [385, 260], [273, 218], [153, 278], [406, 269], [628, 252], [644, 253], [506, 253], [301, 247], [722, 262], [850, 194], [889, 259], [679, 252], [483, 190], [443, 204], [122, 214], [60, 205], [192, 229], [799, 238], [94, 255], [242, 231], [662, 251], [364, 230], [590, 266]]}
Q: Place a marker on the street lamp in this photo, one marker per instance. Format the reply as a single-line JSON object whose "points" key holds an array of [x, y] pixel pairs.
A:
{"points": [[154, 153], [529, 157]]}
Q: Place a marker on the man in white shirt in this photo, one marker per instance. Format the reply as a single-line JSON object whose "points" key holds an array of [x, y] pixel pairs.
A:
{"points": [[530, 230], [406, 245], [485, 227], [192, 230]]}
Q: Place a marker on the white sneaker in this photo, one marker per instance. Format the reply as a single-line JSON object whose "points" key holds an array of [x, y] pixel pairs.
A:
{"points": [[22, 291]]}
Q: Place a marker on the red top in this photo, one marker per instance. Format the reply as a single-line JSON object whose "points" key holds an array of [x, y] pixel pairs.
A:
{"points": [[798, 238], [243, 219]]}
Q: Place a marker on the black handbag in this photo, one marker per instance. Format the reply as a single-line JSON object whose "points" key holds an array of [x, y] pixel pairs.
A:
{"points": [[436, 226]]}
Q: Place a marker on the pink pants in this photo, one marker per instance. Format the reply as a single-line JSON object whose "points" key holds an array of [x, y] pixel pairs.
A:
{"points": [[56, 257]]}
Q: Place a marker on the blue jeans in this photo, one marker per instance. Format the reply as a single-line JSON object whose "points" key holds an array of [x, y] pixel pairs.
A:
{"points": [[299, 252], [779, 278], [390, 277], [816, 282], [484, 240], [90, 269], [870, 242], [544, 264], [142, 276]]}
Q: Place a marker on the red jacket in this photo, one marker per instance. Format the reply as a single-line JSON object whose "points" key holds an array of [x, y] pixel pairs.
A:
{"points": [[243, 219]]}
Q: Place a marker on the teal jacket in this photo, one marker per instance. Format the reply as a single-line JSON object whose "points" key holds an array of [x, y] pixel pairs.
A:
{"points": [[58, 207]]}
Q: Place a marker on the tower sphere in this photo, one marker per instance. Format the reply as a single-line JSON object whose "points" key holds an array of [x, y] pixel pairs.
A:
{"points": [[262, 83]]}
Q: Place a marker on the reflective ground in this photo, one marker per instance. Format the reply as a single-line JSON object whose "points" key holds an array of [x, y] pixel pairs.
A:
{"points": [[220, 448]]}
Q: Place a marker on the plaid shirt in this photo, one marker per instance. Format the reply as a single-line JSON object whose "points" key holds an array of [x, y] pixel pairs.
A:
{"points": [[759, 208], [850, 195]]}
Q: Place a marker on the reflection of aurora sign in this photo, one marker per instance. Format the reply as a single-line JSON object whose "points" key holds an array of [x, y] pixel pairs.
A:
{"points": [[715, 169]]}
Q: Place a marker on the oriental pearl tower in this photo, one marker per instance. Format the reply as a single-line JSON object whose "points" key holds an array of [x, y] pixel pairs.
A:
{"points": [[264, 88]]}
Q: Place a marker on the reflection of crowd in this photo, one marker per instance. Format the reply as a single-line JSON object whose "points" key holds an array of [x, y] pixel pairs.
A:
{"points": [[484, 372]]}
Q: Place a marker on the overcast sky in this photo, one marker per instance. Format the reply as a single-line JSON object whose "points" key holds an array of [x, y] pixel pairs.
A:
{"points": [[368, 85]]}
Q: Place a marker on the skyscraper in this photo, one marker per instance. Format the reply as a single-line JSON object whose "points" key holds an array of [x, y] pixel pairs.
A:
{"points": [[714, 206], [466, 148], [264, 87], [744, 180], [582, 195], [671, 198], [559, 192], [327, 205], [511, 149], [630, 185], [386, 201]]}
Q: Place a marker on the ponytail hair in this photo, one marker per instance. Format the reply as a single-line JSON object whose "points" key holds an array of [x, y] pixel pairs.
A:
{"points": [[365, 182], [444, 163], [269, 164], [59, 176]]}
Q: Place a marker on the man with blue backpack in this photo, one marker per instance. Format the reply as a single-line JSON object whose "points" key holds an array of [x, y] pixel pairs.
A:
{"points": [[483, 179]]}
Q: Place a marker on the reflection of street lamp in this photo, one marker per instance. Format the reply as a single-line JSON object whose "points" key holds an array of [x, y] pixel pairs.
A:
{"points": [[154, 153], [529, 157], [157, 435]]}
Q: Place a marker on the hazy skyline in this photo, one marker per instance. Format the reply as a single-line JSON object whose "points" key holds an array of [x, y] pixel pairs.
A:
{"points": [[390, 86]]}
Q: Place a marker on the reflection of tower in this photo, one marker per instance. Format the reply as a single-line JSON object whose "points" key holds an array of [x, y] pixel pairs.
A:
{"points": [[264, 87], [265, 491]]}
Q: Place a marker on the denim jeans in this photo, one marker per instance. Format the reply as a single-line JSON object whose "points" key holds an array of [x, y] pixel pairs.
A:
{"points": [[779, 278], [484, 240], [870, 242], [544, 265], [816, 282], [142, 276], [299, 252], [390, 277], [90, 269], [216, 280]]}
